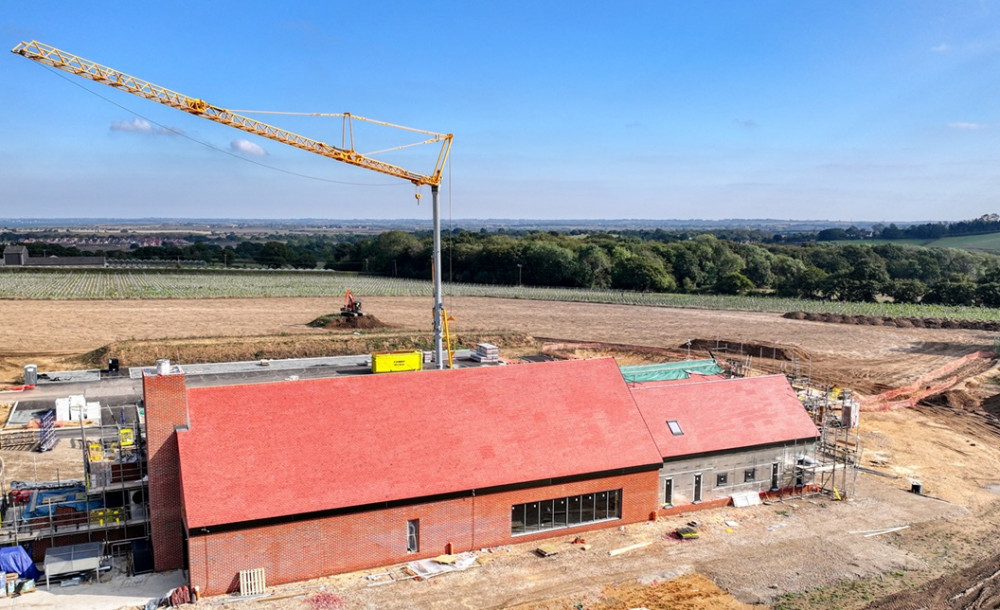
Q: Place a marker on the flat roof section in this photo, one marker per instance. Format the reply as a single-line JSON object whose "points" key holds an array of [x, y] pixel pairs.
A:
{"points": [[52, 377], [290, 364]]}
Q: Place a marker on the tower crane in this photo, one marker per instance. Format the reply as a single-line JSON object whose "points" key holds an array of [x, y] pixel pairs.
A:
{"points": [[51, 56]]}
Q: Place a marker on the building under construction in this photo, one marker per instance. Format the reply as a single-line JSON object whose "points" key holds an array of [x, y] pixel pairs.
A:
{"points": [[313, 477], [298, 479], [108, 505]]}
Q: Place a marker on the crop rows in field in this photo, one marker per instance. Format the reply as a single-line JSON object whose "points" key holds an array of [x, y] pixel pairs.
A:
{"points": [[140, 284]]}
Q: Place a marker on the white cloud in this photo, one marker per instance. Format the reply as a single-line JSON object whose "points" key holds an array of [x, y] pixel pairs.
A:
{"points": [[138, 125], [135, 124], [941, 48], [248, 148], [968, 126]]}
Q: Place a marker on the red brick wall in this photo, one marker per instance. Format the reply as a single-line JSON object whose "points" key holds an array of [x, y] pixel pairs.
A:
{"points": [[318, 547], [165, 397]]}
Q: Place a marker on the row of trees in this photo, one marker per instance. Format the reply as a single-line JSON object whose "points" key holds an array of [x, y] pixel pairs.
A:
{"points": [[987, 223], [703, 263], [852, 272]]}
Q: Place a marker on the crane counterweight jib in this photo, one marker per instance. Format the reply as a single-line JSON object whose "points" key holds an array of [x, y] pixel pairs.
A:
{"points": [[73, 64]]}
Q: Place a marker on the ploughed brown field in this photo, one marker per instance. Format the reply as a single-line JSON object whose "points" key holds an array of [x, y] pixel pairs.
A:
{"points": [[949, 441]]}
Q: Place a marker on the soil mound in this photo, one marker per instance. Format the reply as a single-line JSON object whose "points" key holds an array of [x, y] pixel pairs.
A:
{"points": [[334, 320], [992, 405], [899, 322], [972, 587], [757, 350], [957, 400]]}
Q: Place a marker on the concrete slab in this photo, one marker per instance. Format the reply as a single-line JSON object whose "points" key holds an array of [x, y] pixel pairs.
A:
{"points": [[51, 377], [296, 364], [122, 591], [222, 368]]}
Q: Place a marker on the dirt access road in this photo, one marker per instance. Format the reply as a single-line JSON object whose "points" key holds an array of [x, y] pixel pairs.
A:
{"points": [[803, 554]]}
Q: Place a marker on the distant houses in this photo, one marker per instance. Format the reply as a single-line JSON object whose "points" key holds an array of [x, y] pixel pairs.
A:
{"points": [[17, 256]]}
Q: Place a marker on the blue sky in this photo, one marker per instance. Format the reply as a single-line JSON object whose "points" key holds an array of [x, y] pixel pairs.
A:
{"points": [[851, 110]]}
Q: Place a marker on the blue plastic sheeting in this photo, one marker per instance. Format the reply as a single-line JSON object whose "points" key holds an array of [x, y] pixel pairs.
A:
{"points": [[45, 501], [669, 370], [16, 559]]}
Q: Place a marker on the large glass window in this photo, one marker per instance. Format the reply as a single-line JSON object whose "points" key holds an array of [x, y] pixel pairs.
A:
{"points": [[565, 512]]}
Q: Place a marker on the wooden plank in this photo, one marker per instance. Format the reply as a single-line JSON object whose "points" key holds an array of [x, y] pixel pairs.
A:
{"points": [[631, 547]]}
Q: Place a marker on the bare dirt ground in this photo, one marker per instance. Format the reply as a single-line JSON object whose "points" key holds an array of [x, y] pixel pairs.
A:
{"points": [[805, 553], [866, 358]]}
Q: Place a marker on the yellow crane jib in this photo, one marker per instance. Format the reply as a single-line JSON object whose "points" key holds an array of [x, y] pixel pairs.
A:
{"points": [[94, 71], [51, 56]]}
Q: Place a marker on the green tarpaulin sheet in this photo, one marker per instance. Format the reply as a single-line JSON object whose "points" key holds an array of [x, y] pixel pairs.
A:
{"points": [[669, 370]]}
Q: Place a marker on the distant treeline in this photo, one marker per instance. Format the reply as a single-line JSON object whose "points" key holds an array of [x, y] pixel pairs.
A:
{"points": [[640, 261], [987, 223]]}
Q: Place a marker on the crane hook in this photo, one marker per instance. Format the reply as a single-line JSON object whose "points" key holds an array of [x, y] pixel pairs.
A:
{"points": [[417, 195]]}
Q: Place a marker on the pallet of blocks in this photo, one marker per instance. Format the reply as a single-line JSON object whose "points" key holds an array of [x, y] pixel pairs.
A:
{"points": [[486, 352]]}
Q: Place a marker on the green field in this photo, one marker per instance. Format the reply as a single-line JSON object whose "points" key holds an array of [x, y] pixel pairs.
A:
{"points": [[989, 242], [144, 284]]}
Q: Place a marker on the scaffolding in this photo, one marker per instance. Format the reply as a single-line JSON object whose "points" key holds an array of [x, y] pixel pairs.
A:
{"points": [[109, 505], [834, 411]]}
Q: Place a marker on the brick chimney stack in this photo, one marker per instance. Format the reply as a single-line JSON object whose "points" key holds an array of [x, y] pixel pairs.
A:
{"points": [[165, 397]]}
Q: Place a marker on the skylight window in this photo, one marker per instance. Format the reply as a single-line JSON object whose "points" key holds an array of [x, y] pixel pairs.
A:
{"points": [[675, 428]]}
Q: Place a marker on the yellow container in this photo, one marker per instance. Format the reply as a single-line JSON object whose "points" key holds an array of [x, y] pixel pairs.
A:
{"points": [[106, 516], [392, 362]]}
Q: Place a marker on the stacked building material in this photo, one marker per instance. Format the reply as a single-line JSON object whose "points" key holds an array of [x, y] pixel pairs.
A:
{"points": [[486, 352]]}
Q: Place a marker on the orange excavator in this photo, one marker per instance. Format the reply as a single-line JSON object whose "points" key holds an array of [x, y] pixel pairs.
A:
{"points": [[352, 306]]}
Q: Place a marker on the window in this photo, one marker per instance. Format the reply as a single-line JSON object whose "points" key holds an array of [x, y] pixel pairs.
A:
{"points": [[574, 509], [601, 506], [413, 536], [559, 519], [557, 513], [675, 428], [531, 516], [750, 474], [722, 479]]}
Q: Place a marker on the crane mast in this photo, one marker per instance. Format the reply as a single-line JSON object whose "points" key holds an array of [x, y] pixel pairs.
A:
{"points": [[51, 56]]}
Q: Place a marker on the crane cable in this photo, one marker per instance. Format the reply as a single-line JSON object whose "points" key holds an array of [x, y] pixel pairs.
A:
{"points": [[451, 228], [180, 133]]}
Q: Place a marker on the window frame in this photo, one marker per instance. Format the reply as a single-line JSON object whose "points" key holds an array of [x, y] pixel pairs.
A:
{"points": [[413, 536], [566, 512]]}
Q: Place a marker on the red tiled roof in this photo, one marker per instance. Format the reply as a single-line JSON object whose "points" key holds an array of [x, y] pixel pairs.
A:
{"points": [[722, 415], [269, 450]]}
